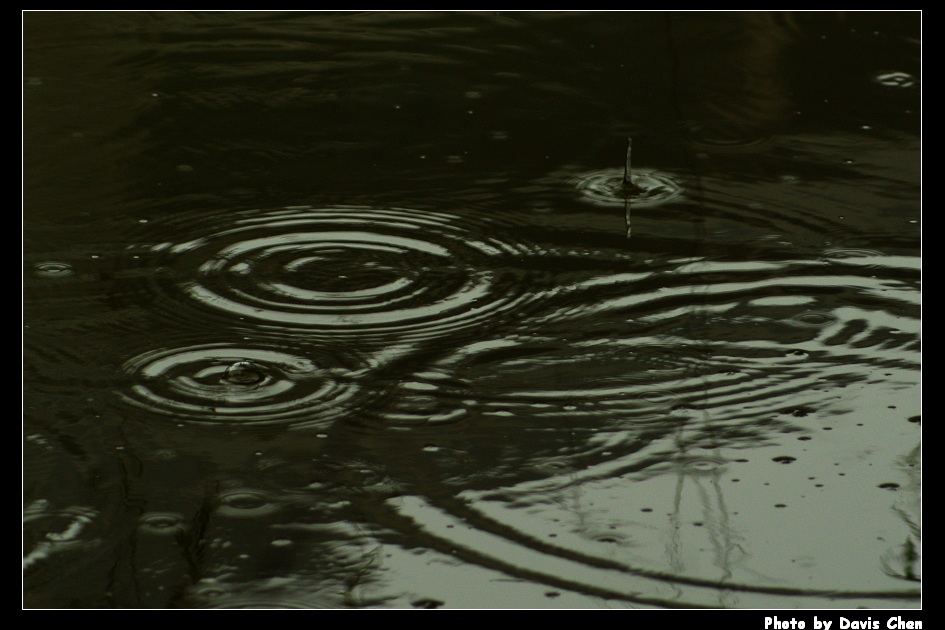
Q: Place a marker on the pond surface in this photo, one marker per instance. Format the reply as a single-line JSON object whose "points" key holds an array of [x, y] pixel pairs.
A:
{"points": [[330, 310]]}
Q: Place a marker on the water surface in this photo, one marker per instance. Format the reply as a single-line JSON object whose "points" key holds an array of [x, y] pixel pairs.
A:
{"points": [[329, 310]]}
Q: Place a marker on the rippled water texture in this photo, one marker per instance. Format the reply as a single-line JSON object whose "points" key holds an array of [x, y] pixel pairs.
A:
{"points": [[339, 310]]}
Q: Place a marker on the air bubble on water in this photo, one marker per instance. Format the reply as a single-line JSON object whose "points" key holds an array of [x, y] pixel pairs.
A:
{"points": [[244, 373]]}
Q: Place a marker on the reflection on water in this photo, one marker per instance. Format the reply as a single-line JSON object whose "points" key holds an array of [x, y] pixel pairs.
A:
{"points": [[330, 310]]}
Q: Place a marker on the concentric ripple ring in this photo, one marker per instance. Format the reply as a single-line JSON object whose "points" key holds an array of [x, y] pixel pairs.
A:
{"points": [[230, 385], [350, 271], [606, 187]]}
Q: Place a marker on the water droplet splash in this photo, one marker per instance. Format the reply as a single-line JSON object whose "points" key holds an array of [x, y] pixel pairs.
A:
{"points": [[246, 503], [232, 385], [814, 319], [162, 523], [53, 269], [895, 79], [607, 187], [851, 256]]}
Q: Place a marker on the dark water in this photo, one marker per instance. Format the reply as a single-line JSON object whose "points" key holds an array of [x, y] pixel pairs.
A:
{"points": [[354, 310]]}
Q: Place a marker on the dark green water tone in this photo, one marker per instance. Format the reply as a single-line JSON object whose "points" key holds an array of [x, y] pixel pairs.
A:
{"points": [[337, 310]]}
